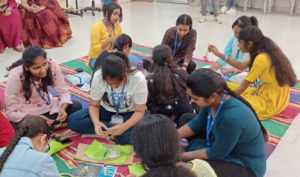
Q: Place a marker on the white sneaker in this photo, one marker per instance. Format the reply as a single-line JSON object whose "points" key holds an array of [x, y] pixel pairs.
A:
{"points": [[203, 19], [224, 9], [218, 20], [231, 11]]}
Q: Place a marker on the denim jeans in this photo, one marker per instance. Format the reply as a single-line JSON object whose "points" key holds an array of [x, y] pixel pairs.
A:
{"points": [[231, 3], [215, 4], [81, 122]]}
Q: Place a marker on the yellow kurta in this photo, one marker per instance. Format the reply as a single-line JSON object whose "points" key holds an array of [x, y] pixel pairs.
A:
{"points": [[271, 98], [98, 35]]}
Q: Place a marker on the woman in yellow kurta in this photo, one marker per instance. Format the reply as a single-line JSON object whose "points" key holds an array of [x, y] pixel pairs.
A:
{"points": [[269, 65], [105, 32]]}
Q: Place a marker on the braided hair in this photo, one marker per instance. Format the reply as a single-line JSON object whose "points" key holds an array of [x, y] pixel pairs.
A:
{"points": [[29, 127], [204, 82]]}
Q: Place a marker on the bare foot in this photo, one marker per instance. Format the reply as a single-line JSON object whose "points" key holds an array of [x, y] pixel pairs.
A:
{"points": [[61, 126], [2, 50], [18, 49]]}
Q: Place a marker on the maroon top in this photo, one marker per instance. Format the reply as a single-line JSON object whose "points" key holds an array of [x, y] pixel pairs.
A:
{"points": [[187, 46]]}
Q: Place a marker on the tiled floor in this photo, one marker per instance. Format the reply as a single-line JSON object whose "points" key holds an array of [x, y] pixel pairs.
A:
{"points": [[146, 24]]}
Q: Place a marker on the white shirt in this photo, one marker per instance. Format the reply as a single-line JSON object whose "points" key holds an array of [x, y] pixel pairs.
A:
{"points": [[135, 92]]}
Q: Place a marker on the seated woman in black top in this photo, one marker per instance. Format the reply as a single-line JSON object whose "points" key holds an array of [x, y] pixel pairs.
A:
{"points": [[167, 86]]}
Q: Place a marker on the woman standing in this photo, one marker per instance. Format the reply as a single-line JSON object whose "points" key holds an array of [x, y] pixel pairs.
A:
{"points": [[44, 24], [27, 91], [104, 33], [10, 26], [226, 132], [118, 99], [182, 40], [169, 98], [267, 63]]}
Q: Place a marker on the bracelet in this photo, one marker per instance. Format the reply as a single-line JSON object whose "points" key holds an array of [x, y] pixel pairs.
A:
{"points": [[226, 58], [234, 71]]}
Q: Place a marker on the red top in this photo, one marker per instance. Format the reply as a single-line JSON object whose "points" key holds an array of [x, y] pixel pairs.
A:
{"points": [[6, 131]]}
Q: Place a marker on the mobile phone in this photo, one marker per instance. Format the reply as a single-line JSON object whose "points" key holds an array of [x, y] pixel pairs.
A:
{"points": [[66, 141]]}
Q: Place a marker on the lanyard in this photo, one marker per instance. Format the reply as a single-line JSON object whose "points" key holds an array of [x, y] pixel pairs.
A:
{"points": [[38, 91], [210, 122], [119, 101], [175, 46], [109, 34], [237, 55]]}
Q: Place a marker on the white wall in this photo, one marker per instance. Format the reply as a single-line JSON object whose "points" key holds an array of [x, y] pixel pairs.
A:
{"points": [[88, 3]]}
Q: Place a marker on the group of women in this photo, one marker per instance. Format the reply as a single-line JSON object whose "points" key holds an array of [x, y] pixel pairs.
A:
{"points": [[35, 23], [226, 137]]}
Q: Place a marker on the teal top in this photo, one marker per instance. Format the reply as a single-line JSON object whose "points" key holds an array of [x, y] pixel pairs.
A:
{"points": [[236, 136]]}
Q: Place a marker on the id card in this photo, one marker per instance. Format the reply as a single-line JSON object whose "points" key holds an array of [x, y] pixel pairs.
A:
{"points": [[117, 119]]}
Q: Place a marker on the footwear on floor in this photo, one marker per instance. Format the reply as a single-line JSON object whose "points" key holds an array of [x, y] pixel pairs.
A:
{"points": [[224, 9], [18, 49], [231, 11], [218, 20], [202, 20], [2, 50]]}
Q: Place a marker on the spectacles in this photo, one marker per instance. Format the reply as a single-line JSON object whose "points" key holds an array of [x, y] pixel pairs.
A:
{"points": [[48, 145], [4, 5]]}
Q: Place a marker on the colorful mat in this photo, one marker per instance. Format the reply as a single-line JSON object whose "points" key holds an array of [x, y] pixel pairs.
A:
{"points": [[276, 126]]}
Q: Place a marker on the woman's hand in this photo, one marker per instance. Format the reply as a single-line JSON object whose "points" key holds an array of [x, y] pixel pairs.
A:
{"points": [[213, 49], [113, 39], [49, 121], [98, 129], [226, 71], [62, 115], [35, 9], [131, 175], [7, 12], [117, 129]]}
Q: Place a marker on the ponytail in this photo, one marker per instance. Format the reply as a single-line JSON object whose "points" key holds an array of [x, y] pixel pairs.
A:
{"points": [[237, 96], [19, 134], [245, 21]]}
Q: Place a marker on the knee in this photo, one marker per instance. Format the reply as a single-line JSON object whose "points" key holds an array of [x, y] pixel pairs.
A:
{"points": [[185, 118], [77, 105], [75, 118]]}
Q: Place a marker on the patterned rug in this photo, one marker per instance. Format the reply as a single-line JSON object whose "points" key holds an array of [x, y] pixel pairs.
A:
{"points": [[276, 126]]}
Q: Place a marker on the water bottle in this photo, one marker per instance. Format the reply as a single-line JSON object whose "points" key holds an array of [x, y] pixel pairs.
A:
{"points": [[141, 66]]}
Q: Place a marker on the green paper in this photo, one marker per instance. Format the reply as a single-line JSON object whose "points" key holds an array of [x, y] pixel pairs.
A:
{"points": [[56, 146], [137, 169], [96, 151]]}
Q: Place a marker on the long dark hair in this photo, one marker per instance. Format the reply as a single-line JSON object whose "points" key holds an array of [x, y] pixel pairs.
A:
{"points": [[168, 80], [29, 127], [122, 41], [156, 142], [204, 82], [261, 44], [116, 67], [245, 21], [28, 57], [185, 19], [109, 8]]}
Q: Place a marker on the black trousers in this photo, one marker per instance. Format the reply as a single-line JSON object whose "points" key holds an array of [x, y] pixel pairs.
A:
{"points": [[221, 168], [71, 109]]}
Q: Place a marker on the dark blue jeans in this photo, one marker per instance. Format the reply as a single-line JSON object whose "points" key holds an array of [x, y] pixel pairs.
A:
{"points": [[81, 122]]}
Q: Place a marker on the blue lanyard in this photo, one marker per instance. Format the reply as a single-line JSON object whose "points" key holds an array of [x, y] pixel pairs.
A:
{"points": [[237, 55], [109, 34], [210, 122], [38, 91], [175, 46], [119, 101]]}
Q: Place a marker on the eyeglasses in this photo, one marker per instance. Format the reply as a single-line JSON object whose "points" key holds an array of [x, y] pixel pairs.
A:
{"points": [[48, 145], [4, 5]]}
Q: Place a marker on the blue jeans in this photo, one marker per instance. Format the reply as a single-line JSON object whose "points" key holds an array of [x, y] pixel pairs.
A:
{"points": [[231, 3], [81, 122], [92, 62]]}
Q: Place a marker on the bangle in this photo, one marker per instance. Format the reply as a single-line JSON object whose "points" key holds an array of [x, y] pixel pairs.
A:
{"points": [[234, 71], [225, 58]]}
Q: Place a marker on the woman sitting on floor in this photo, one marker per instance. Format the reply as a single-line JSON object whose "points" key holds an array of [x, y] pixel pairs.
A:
{"points": [[27, 91], [269, 65], [44, 24], [232, 50], [156, 142], [226, 132], [10, 26], [25, 155], [118, 98], [182, 40], [6, 130], [167, 86], [105, 32]]}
